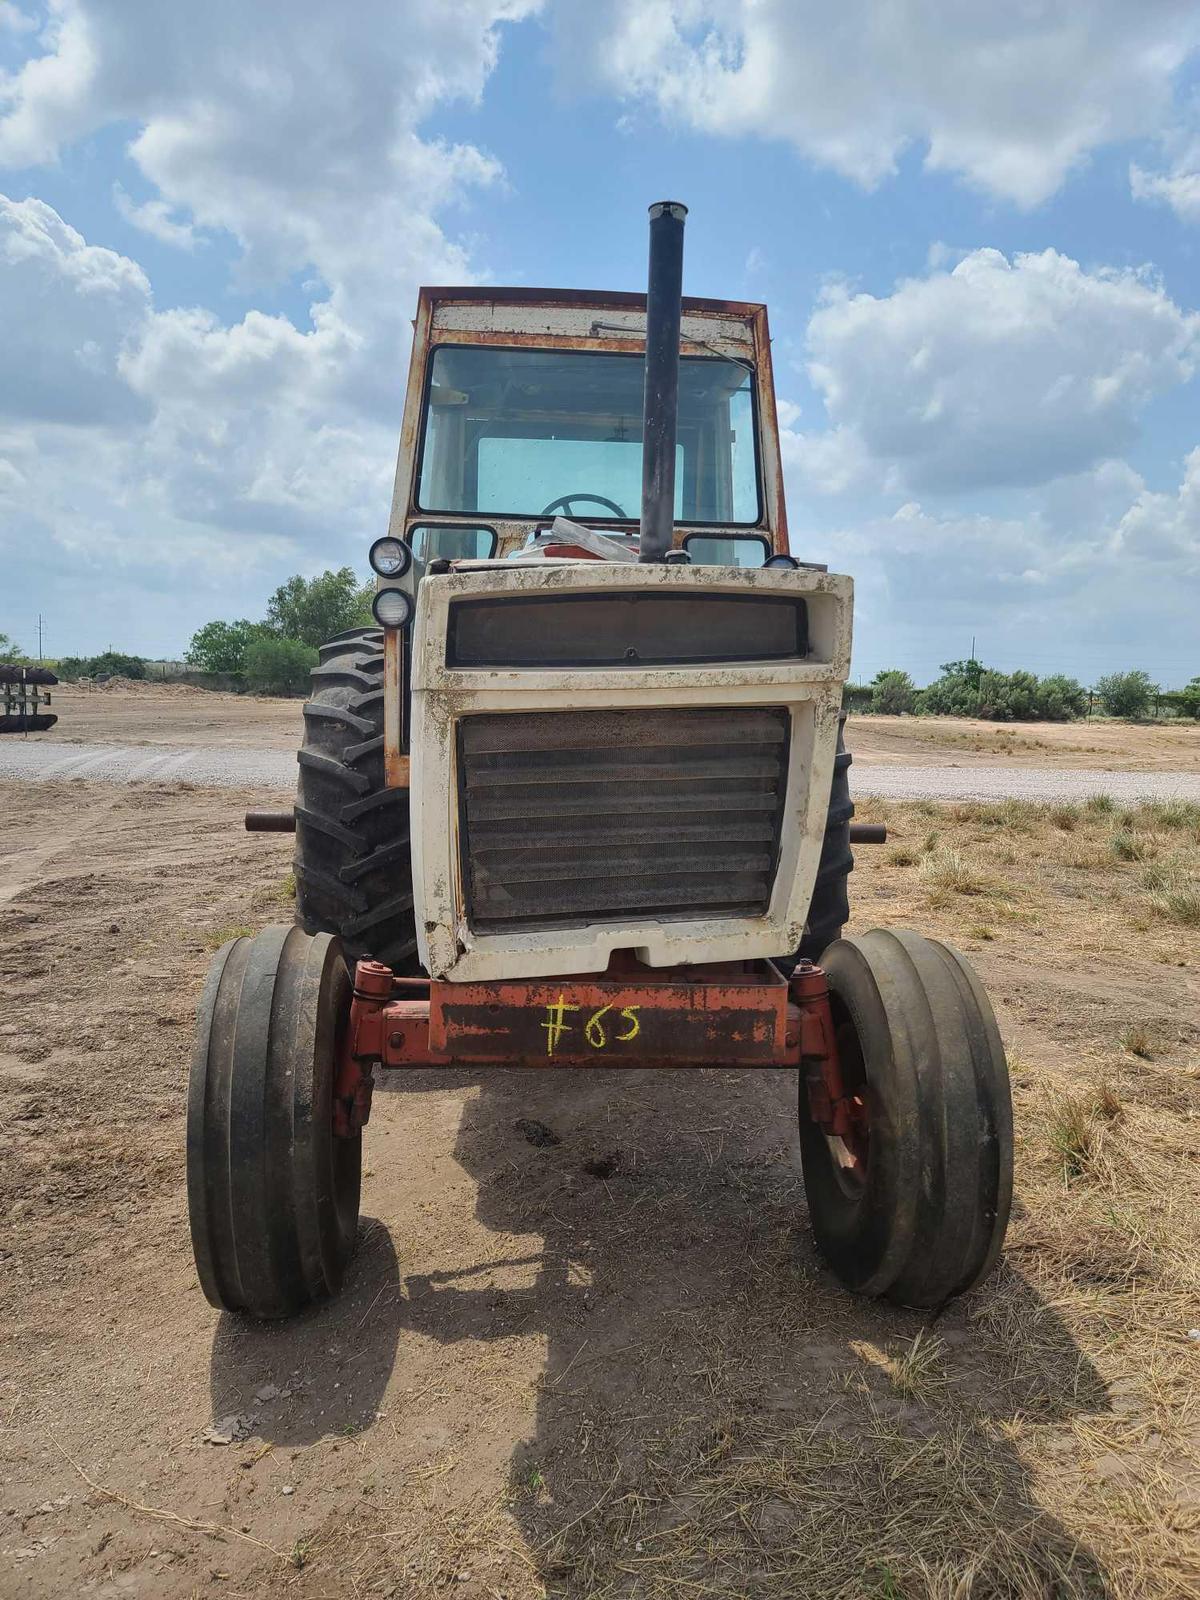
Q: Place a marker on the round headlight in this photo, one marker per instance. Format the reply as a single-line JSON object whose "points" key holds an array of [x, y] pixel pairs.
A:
{"points": [[393, 608], [781, 561], [390, 558]]}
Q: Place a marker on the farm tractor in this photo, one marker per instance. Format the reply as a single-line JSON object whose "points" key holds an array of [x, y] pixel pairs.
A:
{"points": [[24, 693], [580, 799]]}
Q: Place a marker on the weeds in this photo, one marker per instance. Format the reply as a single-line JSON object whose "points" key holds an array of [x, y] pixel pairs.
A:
{"points": [[946, 868], [1137, 1041], [1100, 805], [918, 1372], [1065, 817], [1073, 1135], [1127, 846], [1180, 905], [1171, 815], [902, 855], [1107, 1103], [219, 936]]}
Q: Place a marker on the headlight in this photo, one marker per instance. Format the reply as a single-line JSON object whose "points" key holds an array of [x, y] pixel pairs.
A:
{"points": [[393, 608], [390, 558]]}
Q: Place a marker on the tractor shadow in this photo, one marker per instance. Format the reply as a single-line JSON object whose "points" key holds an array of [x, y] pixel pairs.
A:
{"points": [[715, 1414], [323, 1372]]}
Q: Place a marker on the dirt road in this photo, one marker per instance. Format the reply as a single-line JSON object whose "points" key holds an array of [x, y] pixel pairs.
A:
{"points": [[607, 1362], [37, 761], [147, 715]]}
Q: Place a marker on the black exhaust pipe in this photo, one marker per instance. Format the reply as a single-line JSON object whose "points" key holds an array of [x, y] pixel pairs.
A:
{"points": [[660, 406]]}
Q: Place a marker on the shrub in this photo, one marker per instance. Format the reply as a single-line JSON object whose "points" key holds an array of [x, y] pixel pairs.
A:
{"points": [[969, 689], [893, 693], [1126, 694], [11, 651], [1187, 699], [110, 664], [279, 666]]}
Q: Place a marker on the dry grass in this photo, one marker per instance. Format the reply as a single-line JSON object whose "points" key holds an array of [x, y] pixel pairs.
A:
{"points": [[1040, 1440], [946, 868], [1138, 1040]]}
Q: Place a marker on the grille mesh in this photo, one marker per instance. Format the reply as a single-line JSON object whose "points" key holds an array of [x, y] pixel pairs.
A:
{"points": [[602, 816]]}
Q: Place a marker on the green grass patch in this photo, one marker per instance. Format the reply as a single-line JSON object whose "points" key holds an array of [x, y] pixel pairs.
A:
{"points": [[220, 936]]}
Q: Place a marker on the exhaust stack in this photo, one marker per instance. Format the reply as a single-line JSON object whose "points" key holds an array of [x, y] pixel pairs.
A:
{"points": [[660, 406]]}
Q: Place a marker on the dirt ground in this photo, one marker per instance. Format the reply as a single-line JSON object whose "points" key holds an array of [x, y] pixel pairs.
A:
{"points": [[155, 714], [1098, 743], [173, 714], [611, 1365]]}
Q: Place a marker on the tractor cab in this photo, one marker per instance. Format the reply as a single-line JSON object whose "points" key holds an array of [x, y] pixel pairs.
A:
{"points": [[527, 404]]}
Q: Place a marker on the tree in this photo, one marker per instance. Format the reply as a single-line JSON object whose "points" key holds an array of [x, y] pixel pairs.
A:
{"points": [[1126, 694], [1189, 699], [221, 646], [314, 609], [11, 651], [893, 693], [278, 666]]}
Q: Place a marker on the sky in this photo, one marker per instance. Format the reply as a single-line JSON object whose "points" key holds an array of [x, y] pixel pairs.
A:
{"points": [[977, 228]]}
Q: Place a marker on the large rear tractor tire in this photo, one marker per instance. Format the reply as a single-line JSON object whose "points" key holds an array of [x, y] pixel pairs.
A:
{"points": [[272, 1191], [915, 1207], [352, 862]]}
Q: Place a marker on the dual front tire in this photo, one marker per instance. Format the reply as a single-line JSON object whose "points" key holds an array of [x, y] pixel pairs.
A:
{"points": [[273, 1193], [913, 1208], [917, 1212]]}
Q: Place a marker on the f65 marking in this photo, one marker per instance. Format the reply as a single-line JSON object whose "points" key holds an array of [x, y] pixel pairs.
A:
{"points": [[597, 1035]]}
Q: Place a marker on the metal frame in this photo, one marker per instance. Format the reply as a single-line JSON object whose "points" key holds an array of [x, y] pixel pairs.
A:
{"points": [[739, 1015]]}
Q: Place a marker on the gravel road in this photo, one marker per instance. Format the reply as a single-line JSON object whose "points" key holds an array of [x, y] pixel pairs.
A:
{"points": [[218, 767]]}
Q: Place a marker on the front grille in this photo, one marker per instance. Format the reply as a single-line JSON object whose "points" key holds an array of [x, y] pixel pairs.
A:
{"points": [[574, 818]]}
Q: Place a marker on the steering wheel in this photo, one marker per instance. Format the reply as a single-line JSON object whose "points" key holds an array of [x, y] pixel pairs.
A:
{"points": [[566, 501]]}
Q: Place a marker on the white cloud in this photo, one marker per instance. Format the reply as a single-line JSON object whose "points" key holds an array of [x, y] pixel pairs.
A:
{"points": [[154, 218], [265, 445], [1009, 97], [997, 373], [70, 310], [1179, 188], [1099, 573], [1164, 530]]}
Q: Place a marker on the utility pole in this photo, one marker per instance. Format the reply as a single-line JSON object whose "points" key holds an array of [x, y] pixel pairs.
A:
{"points": [[39, 638]]}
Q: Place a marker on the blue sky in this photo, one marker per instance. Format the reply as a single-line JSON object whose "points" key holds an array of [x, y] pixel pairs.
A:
{"points": [[976, 229]]}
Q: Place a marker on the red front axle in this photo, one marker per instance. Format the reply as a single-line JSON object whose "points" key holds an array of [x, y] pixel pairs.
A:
{"points": [[730, 1014]]}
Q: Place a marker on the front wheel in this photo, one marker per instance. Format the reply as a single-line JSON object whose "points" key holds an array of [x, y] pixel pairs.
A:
{"points": [[272, 1191], [912, 1203]]}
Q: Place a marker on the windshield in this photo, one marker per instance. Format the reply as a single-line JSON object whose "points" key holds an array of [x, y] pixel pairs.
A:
{"points": [[528, 433]]}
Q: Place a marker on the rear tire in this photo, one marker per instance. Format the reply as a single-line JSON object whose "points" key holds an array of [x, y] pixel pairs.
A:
{"points": [[352, 862], [922, 1218], [272, 1193]]}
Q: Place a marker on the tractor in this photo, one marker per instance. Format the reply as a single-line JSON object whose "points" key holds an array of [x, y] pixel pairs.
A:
{"points": [[580, 799]]}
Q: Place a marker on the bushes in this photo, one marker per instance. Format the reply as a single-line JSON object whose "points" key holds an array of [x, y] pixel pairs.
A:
{"points": [[893, 693], [110, 664], [278, 666], [1126, 694], [969, 689]]}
